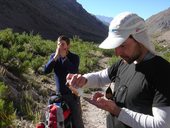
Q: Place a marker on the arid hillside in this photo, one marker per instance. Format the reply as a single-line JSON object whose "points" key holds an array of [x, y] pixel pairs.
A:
{"points": [[50, 18], [159, 27]]}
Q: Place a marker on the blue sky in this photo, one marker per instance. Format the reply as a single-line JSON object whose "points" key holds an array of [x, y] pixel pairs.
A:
{"points": [[110, 8]]}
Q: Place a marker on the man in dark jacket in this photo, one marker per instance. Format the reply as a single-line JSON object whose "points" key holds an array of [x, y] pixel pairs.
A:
{"points": [[63, 62]]}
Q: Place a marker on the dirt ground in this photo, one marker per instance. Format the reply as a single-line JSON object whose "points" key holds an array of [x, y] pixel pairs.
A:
{"points": [[93, 117]]}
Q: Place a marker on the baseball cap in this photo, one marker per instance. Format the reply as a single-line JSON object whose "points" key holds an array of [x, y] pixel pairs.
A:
{"points": [[124, 25]]}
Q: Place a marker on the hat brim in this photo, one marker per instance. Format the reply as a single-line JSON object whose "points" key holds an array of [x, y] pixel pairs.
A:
{"points": [[114, 40]]}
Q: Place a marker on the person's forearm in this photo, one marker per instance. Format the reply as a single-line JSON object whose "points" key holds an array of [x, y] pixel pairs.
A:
{"points": [[97, 79], [160, 118], [49, 66]]}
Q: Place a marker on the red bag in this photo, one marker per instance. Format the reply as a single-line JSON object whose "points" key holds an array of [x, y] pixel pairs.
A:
{"points": [[40, 125], [52, 116], [57, 114]]}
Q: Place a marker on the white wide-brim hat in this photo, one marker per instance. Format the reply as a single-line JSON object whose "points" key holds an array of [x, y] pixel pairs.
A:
{"points": [[124, 25], [114, 39]]}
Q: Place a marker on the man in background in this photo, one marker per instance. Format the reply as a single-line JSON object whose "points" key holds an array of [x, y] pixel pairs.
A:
{"points": [[63, 62]]}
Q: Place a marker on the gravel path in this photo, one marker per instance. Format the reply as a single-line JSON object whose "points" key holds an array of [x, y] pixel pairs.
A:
{"points": [[93, 117]]}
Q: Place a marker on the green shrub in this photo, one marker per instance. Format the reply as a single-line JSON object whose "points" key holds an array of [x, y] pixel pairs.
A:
{"points": [[108, 52], [163, 51], [87, 53], [28, 106], [167, 56], [19, 52], [7, 37], [7, 112], [36, 63]]}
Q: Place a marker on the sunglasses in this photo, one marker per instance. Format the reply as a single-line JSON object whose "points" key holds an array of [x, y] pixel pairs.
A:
{"points": [[109, 93]]}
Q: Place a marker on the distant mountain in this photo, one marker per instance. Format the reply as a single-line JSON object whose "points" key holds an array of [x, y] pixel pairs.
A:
{"points": [[104, 19], [159, 22], [51, 18], [159, 26]]}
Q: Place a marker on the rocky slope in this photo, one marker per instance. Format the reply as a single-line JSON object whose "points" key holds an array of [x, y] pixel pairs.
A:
{"points": [[18, 87], [51, 18], [159, 22], [159, 27]]}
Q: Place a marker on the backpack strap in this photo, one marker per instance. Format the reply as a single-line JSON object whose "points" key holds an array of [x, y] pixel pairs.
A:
{"points": [[66, 113]]}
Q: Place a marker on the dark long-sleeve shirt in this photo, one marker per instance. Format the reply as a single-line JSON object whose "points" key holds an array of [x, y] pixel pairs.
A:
{"points": [[61, 68]]}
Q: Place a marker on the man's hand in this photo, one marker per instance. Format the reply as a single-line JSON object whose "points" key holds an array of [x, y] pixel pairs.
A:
{"points": [[60, 52], [56, 54], [76, 80], [109, 105]]}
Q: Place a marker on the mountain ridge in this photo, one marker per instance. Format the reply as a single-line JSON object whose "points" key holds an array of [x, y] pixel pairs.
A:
{"points": [[51, 18], [159, 22], [159, 27], [106, 20]]}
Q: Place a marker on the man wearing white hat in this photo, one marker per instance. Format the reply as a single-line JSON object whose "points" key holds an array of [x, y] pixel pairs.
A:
{"points": [[141, 97]]}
